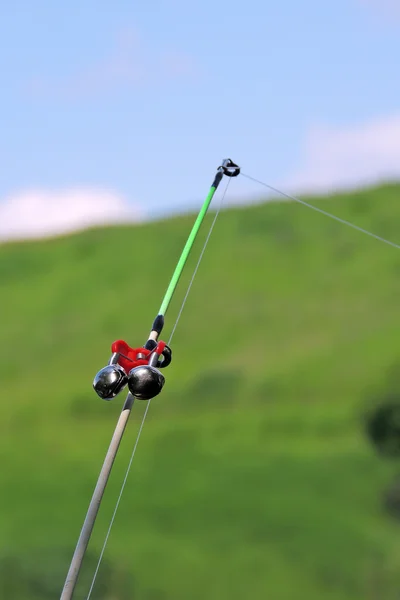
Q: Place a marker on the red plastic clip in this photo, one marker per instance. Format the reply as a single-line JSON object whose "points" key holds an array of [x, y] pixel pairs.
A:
{"points": [[134, 357]]}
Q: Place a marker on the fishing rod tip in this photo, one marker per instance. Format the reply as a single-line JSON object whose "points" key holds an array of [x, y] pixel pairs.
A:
{"points": [[230, 168]]}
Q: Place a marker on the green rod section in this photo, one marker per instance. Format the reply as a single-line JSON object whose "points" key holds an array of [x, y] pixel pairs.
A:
{"points": [[188, 246]]}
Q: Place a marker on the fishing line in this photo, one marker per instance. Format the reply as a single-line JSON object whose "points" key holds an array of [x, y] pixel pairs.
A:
{"points": [[324, 212], [148, 403]]}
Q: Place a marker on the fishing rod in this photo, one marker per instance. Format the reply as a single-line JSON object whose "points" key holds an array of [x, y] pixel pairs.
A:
{"points": [[139, 370]]}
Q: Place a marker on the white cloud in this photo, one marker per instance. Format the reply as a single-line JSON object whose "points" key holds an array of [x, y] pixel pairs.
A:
{"points": [[349, 156], [128, 62], [42, 213]]}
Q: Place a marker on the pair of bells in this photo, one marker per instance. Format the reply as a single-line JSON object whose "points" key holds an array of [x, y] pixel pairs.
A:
{"points": [[144, 382]]}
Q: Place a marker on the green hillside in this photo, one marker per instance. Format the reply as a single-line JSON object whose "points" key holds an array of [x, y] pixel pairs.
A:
{"points": [[253, 477]]}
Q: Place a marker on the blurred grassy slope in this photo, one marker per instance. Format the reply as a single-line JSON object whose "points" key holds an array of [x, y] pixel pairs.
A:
{"points": [[253, 478]]}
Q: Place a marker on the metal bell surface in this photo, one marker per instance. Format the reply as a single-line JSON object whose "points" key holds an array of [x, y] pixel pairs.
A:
{"points": [[145, 382], [110, 381]]}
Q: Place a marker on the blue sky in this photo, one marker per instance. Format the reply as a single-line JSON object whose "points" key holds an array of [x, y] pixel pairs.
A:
{"points": [[137, 103]]}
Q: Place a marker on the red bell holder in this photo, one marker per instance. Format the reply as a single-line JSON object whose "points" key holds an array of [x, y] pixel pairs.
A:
{"points": [[129, 357]]}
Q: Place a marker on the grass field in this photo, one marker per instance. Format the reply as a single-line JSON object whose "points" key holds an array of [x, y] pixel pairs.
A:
{"points": [[253, 477]]}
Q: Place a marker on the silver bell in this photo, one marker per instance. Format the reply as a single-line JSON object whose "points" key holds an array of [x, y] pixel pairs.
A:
{"points": [[110, 381], [145, 382]]}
